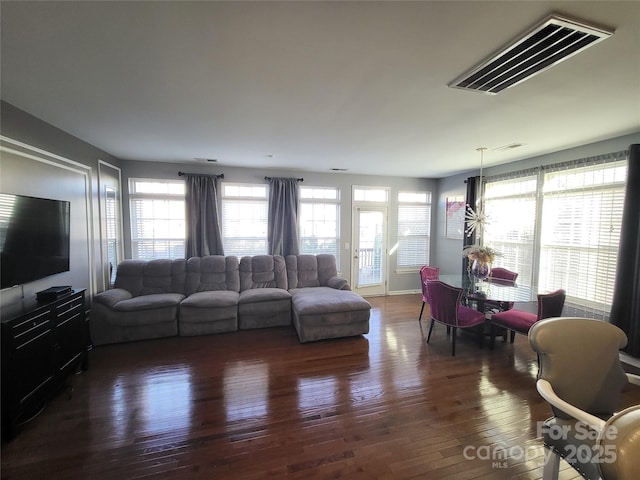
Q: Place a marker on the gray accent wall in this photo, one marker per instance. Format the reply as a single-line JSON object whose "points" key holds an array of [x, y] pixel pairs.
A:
{"points": [[38, 159]]}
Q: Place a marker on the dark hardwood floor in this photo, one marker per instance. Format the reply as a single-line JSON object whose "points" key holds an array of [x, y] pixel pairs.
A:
{"points": [[258, 404]]}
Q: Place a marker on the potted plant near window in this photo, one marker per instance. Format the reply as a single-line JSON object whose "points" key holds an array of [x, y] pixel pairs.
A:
{"points": [[480, 260]]}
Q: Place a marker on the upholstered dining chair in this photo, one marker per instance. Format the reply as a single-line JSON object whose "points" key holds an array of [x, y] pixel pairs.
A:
{"points": [[581, 377], [447, 309], [502, 274], [427, 273], [520, 321]]}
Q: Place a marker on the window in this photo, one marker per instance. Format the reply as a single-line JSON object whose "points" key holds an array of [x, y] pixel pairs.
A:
{"points": [[370, 194], [157, 218], [112, 231], [560, 227], [244, 219], [581, 222], [414, 229], [510, 206], [319, 221]]}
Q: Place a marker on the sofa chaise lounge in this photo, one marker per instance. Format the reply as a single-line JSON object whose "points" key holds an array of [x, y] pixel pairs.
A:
{"points": [[214, 294]]}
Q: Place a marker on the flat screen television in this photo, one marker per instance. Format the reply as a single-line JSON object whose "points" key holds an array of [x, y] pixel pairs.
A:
{"points": [[34, 238]]}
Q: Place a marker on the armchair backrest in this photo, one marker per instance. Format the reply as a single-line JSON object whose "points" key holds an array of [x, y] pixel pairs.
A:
{"points": [[551, 304], [499, 273], [310, 270], [579, 358], [427, 273], [212, 272], [147, 277], [444, 302], [263, 271]]}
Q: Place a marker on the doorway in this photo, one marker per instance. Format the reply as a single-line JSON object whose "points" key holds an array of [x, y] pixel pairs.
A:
{"points": [[370, 251]]}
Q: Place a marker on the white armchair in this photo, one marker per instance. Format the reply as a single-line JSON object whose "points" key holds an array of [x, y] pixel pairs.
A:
{"points": [[581, 377]]}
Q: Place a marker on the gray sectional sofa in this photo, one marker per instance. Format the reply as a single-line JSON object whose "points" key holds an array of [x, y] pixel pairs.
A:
{"points": [[214, 294]]}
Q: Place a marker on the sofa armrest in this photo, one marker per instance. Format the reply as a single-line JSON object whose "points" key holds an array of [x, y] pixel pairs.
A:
{"points": [[109, 298], [338, 283]]}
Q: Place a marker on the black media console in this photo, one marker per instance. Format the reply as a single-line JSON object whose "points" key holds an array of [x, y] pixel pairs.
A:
{"points": [[42, 343]]}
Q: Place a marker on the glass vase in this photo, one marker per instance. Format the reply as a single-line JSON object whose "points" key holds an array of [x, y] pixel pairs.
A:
{"points": [[480, 270]]}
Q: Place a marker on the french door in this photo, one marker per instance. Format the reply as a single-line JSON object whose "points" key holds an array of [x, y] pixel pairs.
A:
{"points": [[369, 267]]}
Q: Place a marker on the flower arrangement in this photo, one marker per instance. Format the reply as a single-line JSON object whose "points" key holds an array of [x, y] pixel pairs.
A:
{"points": [[479, 253]]}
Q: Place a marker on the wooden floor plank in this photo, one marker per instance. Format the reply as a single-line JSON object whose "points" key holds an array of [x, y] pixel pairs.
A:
{"points": [[257, 405]]}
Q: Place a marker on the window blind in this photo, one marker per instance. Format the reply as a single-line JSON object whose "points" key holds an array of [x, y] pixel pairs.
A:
{"points": [[510, 205], [414, 229], [319, 221], [580, 234], [157, 218], [244, 219]]}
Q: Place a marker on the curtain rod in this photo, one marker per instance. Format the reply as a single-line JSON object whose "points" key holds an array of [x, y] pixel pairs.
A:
{"points": [[182, 174], [298, 179]]}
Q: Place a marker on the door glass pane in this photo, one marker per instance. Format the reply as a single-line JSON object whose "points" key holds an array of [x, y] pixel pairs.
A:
{"points": [[112, 220], [370, 248]]}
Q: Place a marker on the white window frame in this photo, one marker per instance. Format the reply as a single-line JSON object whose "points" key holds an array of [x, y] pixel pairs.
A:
{"points": [[511, 206], [166, 235], [248, 210], [315, 201], [414, 230], [578, 257], [581, 223]]}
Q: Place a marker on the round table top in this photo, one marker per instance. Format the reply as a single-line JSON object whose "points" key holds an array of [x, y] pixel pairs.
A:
{"points": [[496, 290]]}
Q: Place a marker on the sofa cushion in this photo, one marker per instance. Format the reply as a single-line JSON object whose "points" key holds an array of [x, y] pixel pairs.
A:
{"points": [[148, 302], [109, 298], [338, 283], [263, 271], [211, 299], [310, 270], [256, 295], [204, 313], [325, 300], [142, 277], [213, 272]]}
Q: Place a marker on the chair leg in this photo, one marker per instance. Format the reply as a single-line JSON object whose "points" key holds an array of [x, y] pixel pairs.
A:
{"points": [[430, 329], [453, 341], [492, 338], [551, 465], [421, 310], [513, 335]]}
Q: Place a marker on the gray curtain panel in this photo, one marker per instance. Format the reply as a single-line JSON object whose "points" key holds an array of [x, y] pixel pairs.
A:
{"points": [[625, 308], [472, 196], [203, 221], [283, 216]]}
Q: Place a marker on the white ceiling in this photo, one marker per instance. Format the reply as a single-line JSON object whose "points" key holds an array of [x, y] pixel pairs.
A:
{"points": [[313, 85]]}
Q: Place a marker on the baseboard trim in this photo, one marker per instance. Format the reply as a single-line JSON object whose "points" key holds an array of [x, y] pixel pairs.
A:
{"points": [[629, 360]]}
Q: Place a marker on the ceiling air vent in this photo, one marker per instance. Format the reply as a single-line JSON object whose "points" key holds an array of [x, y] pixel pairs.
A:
{"points": [[552, 41]]}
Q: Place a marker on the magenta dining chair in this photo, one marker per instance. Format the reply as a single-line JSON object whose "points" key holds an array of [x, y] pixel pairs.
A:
{"points": [[447, 309], [520, 321], [427, 273]]}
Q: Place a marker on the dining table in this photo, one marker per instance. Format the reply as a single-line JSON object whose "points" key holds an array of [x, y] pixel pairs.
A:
{"points": [[493, 292]]}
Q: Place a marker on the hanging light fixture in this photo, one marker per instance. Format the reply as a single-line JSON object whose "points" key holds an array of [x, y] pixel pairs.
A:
{"points": [[476, 218]]}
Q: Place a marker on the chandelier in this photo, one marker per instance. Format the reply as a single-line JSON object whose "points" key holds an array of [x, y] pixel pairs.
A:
{"points": [[476, 219]]}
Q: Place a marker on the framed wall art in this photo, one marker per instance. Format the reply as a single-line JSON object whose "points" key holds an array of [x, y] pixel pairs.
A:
{"points": [[454, 218]]}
